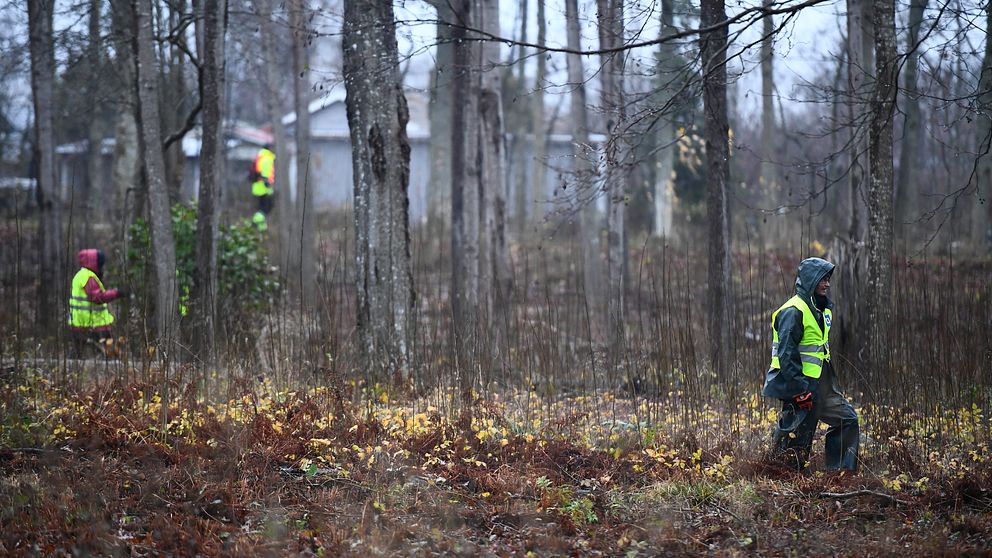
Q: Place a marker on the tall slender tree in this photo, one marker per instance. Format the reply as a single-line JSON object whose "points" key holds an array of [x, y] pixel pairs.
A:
{"points": [[669, 69], [493, 154], [716, 137], [377, 118], [42, 48], [981, 216], [769, 172], [859, 72], [203, 300], [303, 266], [439, 194], [611, 38], [585, 188], [906, 187], [163, 245], [880, 187], [465, 176]]}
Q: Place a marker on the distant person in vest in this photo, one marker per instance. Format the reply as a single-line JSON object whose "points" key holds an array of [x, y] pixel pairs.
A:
{"points": [[802, 377], [263, 175], [89, 318]]}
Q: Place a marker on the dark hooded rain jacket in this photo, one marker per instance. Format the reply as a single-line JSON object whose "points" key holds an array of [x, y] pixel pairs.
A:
{"points": [[788, 381]]}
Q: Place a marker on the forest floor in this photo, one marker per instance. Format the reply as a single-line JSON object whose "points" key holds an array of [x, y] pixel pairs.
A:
{"points": [[115, 470]]}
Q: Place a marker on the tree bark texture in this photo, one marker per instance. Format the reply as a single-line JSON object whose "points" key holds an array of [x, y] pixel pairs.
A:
{"points": [[519, 123], [126, 169], [769, 172], [377, 118], [465, 175], [859, 72], [537, 193], [585, 171], [906, 187], [493, 155], [665, 178], [163, 245], [714, 47], [303, 268], [439, 194], [981, 225], [42, 49], [880, 186], [611, 35], [203, 301], [94, 126]]}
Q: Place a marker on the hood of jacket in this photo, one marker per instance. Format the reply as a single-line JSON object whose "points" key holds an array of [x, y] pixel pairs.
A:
{"points": [[91, 259], [811, 271]]}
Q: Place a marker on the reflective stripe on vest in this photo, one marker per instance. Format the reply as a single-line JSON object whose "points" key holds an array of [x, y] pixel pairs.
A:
{"points": [[813, 348], [82, 312]]}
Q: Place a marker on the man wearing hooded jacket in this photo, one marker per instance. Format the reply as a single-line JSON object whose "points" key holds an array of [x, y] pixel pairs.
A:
{"points": [[802, 377]]}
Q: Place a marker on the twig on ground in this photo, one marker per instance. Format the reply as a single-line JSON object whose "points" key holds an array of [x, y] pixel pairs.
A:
{"points": [[865, 492]]}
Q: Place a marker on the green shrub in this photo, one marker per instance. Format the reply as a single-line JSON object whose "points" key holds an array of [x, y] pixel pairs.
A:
{"points": [[247, 281]]}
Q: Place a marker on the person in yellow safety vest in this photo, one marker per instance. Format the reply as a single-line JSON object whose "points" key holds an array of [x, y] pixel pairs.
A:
{"points": [[263, 177], [802, 377], [89, 318]]}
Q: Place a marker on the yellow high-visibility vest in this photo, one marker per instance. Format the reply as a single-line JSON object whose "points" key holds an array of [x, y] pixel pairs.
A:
{"points": [[82, 312], [265, 168], [814, 347]]}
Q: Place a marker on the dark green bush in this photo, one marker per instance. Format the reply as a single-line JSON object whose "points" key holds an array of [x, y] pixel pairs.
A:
{"points": [[248, 283]]}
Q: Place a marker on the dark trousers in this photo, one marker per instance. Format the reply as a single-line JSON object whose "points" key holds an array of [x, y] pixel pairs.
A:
{"points": [[265, 204], [796, 427]]}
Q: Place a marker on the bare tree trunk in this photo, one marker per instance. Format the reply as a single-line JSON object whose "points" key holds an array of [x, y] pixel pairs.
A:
{"points": [[94, 157], [172, 97], [42, 48], [880, 187], [439, 195], [537, 194], [518, 122], [203, 300], [717, 174], [858, 69], [464, 177], [906, 188], [611, 35], [377, 118], [664, 182], [126, 170], [163, 246], [304, 266], [769, 172], [586, 191], [493, 153], [981, 216]]}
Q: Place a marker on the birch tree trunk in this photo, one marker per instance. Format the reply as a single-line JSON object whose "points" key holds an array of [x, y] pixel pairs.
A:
{"points": [[611, 36], [203, 300], [981, 216], [906, 188], [493, 154], [163, 245], [42, 49], [880, 187], [714, 46], [586, 191], [377, 118], [303, 267]]}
